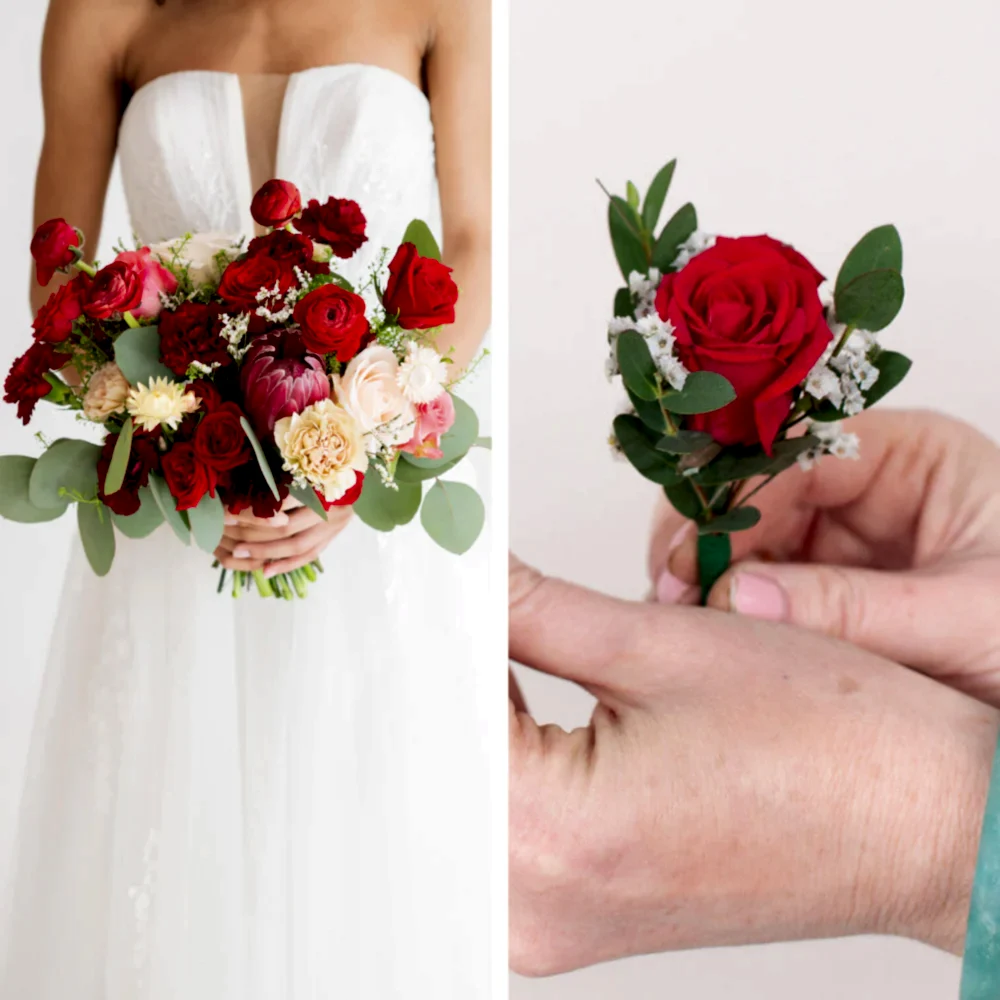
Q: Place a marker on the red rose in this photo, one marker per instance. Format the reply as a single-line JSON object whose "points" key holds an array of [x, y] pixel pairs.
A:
{"points": [[747, 309], [116, 288], [52, 246], [333, 321], [245, 277], [142, 459], [246, 489], [220, 441], [280, 377], [191, 333], [156, 279], [188, 478], [339, 223], [276, 203], [54, 322], [25, 385], [421, 292], [350, 497]]}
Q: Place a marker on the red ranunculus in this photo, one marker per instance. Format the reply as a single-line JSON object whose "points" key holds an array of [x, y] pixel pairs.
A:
{"points": [[54, 322], [290, 250], [280, 377], [276, 203], [52, 247], [116, 288], [747, 309], [245, 277], [187, 477], [339, 223], [350, 497], [333, 321], [220, 441], [25, 385], [156, 279], [191, 333], [420, 291], [142, 460], [246, 489]]}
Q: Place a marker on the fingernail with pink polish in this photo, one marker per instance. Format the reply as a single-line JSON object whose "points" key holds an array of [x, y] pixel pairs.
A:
{"points": [[230, 520], [669, 589], [758, 597], [241, 553]]}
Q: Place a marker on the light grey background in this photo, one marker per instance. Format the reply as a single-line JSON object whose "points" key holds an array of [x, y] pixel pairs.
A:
{"points": [[813, 122], [32, 558]]}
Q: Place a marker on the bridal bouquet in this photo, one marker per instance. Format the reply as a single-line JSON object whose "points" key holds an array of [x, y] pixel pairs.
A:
{"points": [[738, 361], [231, 379]]}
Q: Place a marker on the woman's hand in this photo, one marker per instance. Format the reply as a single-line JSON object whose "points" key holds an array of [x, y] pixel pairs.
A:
{"points": [[740, 782], [898, 553], [292, 538]]}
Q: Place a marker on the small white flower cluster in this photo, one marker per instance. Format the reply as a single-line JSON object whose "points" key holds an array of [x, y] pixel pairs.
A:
{"points": [[198, 368], [658, 333], [832, 441], [698, 242], [286, 303], [844, 378], [234, 330], [422, 373]]}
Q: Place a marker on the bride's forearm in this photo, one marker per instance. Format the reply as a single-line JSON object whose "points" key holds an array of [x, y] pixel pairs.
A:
{"points": [[470, 258]]}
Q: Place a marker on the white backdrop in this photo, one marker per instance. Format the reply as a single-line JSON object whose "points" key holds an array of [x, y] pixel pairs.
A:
{"points": [[33, 557], [813, 122]]}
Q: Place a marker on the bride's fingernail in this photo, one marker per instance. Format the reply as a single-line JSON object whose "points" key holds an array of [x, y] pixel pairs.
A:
{"points": [[230, 520], [669, 589], [758, 597], [241, 553], [278, 520], [675, 543]]}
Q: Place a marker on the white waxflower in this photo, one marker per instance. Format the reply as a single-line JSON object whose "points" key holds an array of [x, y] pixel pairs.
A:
{"points": [[833, 440], [673, 370], [619, 324], [698, 242], [422, 374], [161, 403], [824, 383]]}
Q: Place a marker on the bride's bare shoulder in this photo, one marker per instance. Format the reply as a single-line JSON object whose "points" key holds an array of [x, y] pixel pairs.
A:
{"points": [[90, 36]]}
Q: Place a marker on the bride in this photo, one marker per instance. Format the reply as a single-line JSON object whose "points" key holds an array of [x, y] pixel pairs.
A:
{"points": [[260, 800]]}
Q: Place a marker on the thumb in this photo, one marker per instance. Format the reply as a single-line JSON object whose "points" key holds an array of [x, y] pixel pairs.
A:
{"points": [[569, 631], [920, 619]]}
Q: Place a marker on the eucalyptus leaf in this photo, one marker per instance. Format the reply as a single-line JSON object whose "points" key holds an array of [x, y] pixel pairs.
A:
{"points": [[639, 446], [68, 464], [483, 442], [657, 195], [684, 442], [623, 221], [649, 413], [419, 234], [735, 464], [408, 472], [384, 508], [137, 354], [144, 521], [703, 392], [623, 303], [15, 501], [740, 519], [453, 515], [455, 444], [870, 301], [679, 228], [261, 458], [207, 522], [636, 365], [880, 249], [892, 369], [632, 196], [168, 508], [119, 459], [308, 498], [97, 535], [684, 499]]}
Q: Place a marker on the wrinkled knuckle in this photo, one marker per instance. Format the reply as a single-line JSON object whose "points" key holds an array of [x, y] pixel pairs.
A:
{"points": [[840, 603]]}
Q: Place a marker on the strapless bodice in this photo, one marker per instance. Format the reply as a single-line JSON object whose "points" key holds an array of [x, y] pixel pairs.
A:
{"points": [[353, 131]]}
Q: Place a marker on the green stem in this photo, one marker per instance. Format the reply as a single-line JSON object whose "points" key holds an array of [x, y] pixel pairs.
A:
{"points": [[844, 338], [715, 553], [82, 265], [263, 584], [130, 319]]}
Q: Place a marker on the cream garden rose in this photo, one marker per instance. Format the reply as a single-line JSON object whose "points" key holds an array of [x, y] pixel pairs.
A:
{"points": [[106, 394], [369, 390], [323, 445], [199, 253]]}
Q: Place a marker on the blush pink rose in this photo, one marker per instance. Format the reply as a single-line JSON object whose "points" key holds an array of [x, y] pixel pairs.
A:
{"points": [[155, 279], [433, 419]]}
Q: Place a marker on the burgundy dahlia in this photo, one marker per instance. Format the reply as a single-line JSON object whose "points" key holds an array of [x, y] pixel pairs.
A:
{"points": [[280, 377]]}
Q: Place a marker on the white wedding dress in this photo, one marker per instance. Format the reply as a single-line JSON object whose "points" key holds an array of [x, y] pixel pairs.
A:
{"points": [[261, 800]]}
